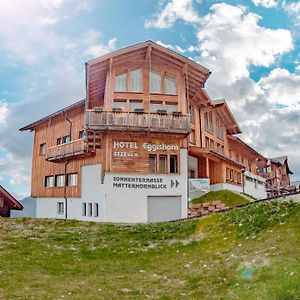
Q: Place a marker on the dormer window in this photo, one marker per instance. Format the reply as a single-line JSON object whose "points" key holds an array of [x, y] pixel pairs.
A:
{"points": [[155, 82], [136, 81], [121, 82]]}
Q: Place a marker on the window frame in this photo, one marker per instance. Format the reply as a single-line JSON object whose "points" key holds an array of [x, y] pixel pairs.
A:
{"points": [[56, 180], [60, 208]]}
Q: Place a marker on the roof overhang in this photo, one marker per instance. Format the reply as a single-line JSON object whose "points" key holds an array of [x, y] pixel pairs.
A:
{"points": [[147, 52], [13, 202], [32, 126], [229, 120]]}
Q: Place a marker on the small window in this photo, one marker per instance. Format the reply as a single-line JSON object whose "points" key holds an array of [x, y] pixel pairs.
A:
{"points": [[60, 208], [173, 164], [119, 104], [155, 82], [80, 135], [72, 179], [96, 210], [121, 82], [136, 81], [60, 180], [66, 139], [49, 181], [155, 106], [163, 164], [152, 163], [90, 209], [84, 209], [59, 141], [170, 85], [171, 107], [43, 149], [135, 104]]}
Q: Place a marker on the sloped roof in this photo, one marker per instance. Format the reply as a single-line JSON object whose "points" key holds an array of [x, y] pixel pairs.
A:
{"points": [[13, 202], [31, 126], [229, 120], [148, 51], [282, 160]]}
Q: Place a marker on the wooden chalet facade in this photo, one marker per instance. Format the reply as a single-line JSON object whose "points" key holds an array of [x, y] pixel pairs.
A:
{"points": [[7, 203], [124, 153]]}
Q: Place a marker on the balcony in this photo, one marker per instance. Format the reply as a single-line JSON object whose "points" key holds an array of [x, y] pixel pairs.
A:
{"points": [[138, 121], [63, 151]]}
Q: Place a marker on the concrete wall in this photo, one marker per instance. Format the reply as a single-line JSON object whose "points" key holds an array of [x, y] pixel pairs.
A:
{"points": [[122, 197], [256, 187], [226, 186]]}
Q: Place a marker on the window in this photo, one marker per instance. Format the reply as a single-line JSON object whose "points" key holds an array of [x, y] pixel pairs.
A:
{"points": [[119, 104], [192, 114], [219, 129], [72, 179], [80, 135], [121, 82], [163, 164], [60, 180], [60, 208], [152, 163], [43, 149], [155, 106], [171, 107], [90, 209], [66, 139], [136, 81], [96, 210], [155, 82], [192, 136], [84, 209], [170, 85], [208, 122], [135, 104], [173, 164], [49, 181], [59, 141]]}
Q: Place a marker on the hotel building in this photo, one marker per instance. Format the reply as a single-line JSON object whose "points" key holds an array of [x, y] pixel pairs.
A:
{"points": [[126, 152]]}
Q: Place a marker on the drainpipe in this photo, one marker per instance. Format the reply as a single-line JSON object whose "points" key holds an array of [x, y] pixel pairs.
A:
{"points": [[65, 191], [71, 124]]}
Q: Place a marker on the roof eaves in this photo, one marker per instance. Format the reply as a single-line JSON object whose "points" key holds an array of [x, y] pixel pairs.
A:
{"points": [[32, 125]]}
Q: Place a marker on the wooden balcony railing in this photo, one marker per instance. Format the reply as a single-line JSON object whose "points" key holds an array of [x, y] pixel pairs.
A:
{"points": [[74, 148], [153, 122]]}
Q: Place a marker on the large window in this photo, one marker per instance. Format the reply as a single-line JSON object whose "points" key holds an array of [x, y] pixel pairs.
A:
{"points": [[49, 181], [135, 104], [119, 104], [170, 85], [72, 179], [173, 164], [121, 82], [136, 81], [152, 163], [162, 164], [155, 106], [60, 180], [155, 82], [171, 107]]}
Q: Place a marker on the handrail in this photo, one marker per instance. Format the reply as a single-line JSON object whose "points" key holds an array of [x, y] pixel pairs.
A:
{"points": [[137, 120]]}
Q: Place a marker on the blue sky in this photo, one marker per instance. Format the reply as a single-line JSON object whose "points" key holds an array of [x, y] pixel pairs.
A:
{"points": [[251, 47]]}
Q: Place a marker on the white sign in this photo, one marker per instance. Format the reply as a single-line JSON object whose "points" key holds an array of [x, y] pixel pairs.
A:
{"points": [[200, 184]]}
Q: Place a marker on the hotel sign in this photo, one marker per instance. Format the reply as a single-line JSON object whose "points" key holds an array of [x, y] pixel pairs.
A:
{"points": [[130, 148]]}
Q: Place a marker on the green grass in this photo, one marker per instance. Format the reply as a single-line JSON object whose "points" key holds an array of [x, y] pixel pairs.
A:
{"points": [[246, 253], [249, 196], [229, 198]]}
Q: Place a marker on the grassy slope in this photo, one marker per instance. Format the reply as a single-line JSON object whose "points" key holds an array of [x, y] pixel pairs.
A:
{"points": [[248, 253], [227, 197]]}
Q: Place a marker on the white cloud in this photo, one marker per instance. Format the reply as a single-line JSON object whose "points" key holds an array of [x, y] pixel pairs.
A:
{"points": [[231, 40], [281, 87], [265, 3], [173, 11], [3, 112], [291, 7]]}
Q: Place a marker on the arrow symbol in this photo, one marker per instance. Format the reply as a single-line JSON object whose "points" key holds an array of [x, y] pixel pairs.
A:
{"points": [[172, 183], [177, 183]]}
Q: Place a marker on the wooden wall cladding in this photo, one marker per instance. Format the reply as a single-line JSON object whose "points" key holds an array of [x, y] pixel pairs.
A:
{"points": [[133, 157], [48, 133]]}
